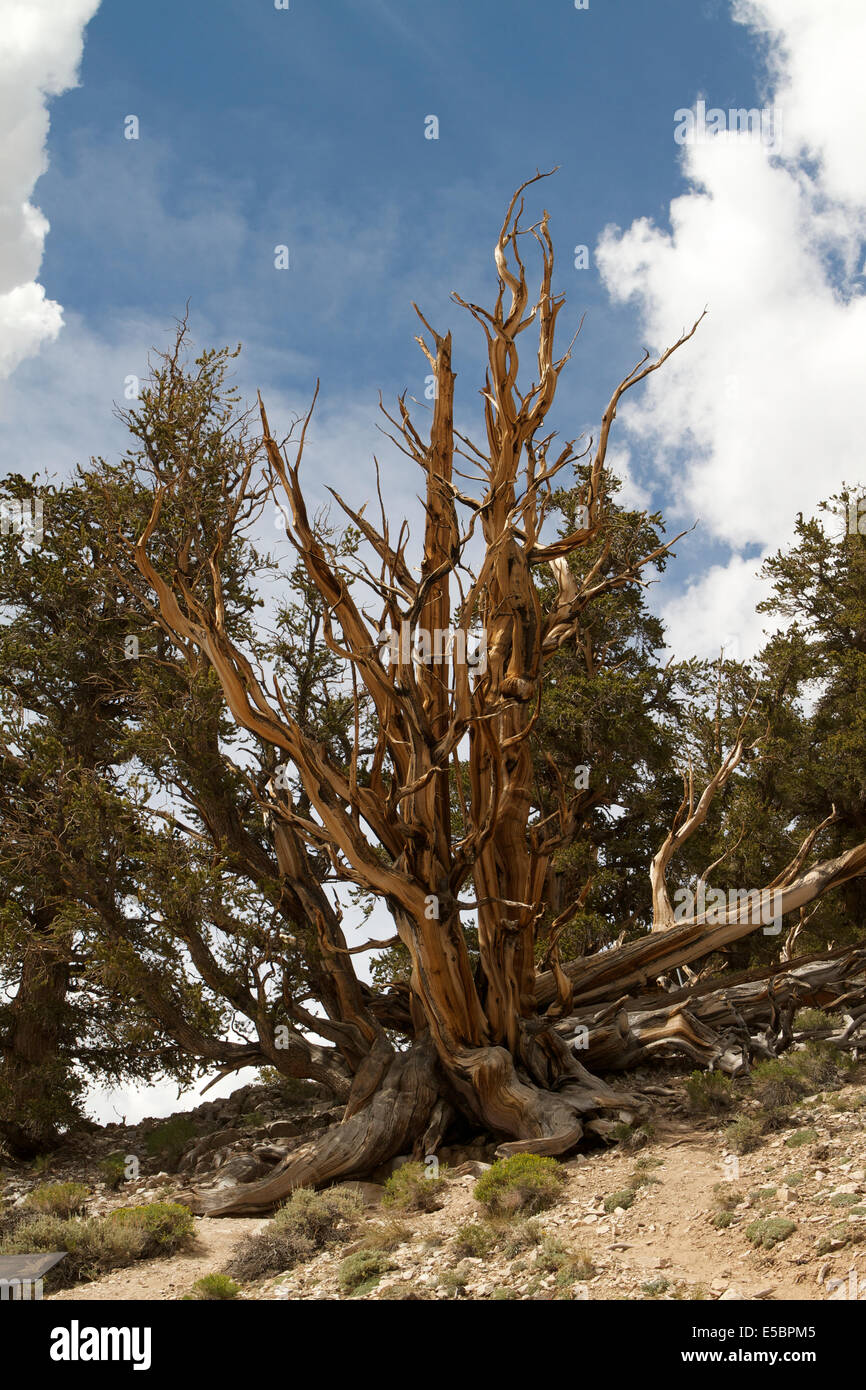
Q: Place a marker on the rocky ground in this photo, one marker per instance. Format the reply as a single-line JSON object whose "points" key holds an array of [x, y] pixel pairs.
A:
{"points": [[675, 1218]]}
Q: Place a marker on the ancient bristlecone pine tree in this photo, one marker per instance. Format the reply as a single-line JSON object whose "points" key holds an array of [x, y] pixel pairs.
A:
{"points": [[491, 1041]]}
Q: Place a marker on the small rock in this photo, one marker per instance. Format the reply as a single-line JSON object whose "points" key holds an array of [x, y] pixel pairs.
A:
{"points": [[284, 1129]]}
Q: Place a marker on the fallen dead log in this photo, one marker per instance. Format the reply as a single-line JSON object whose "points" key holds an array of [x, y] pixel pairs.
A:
{"points": [[726, 1026], [609, 974]]}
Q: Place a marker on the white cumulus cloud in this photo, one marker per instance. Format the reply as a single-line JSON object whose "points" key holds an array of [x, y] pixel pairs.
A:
{"points": [[39, 57], [763, 413]]}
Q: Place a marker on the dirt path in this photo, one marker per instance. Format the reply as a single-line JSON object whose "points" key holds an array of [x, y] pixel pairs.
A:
{"points": [[174, 1276], [667, 1232]]}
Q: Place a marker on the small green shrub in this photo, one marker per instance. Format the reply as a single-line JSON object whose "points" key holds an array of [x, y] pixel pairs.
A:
{"points": [[309, 1221], [387, 1236], [654, 1287], [454, 1281], [776, 1083], [113, 1170], [631, 1137], [807, 1019], [744, 1135], [213, 1287], [844, 1199], [164, 1226], [768, 1231], [820, 1063], [576, 1269], [569, 1266], [723, 1219], [849, 1103], [322, 1217], [622, 1199], [794, 1178], [58, 1199], [801, 1137], [726, 1196], [710, 1092], [521, 1183], [641, 1177], [410, 1189], [168, 1141], [837, 1236], [94, 1246], [361, 1272], [523, 1235], [474, 1239]]}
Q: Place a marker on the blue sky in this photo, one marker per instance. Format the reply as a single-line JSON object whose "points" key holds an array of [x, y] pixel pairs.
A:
{"points": [[305, 127]]}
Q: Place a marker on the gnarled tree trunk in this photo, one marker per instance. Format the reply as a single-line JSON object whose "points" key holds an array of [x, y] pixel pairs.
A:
{"points": [[492, 1039]]}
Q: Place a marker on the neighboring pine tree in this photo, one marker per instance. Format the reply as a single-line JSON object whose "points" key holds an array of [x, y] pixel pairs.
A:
{"points": [[609, 727], [148, 925], [819, 588], [65, 707]]}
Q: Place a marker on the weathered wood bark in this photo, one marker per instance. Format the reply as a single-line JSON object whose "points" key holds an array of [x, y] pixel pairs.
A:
{"points": [[396, 1093], [726, 1025], [611, 974]]}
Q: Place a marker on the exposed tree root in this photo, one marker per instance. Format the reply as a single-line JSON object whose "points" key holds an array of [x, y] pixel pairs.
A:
{"points": [[548, 1105], [396, 1115], [397, 1107]]}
